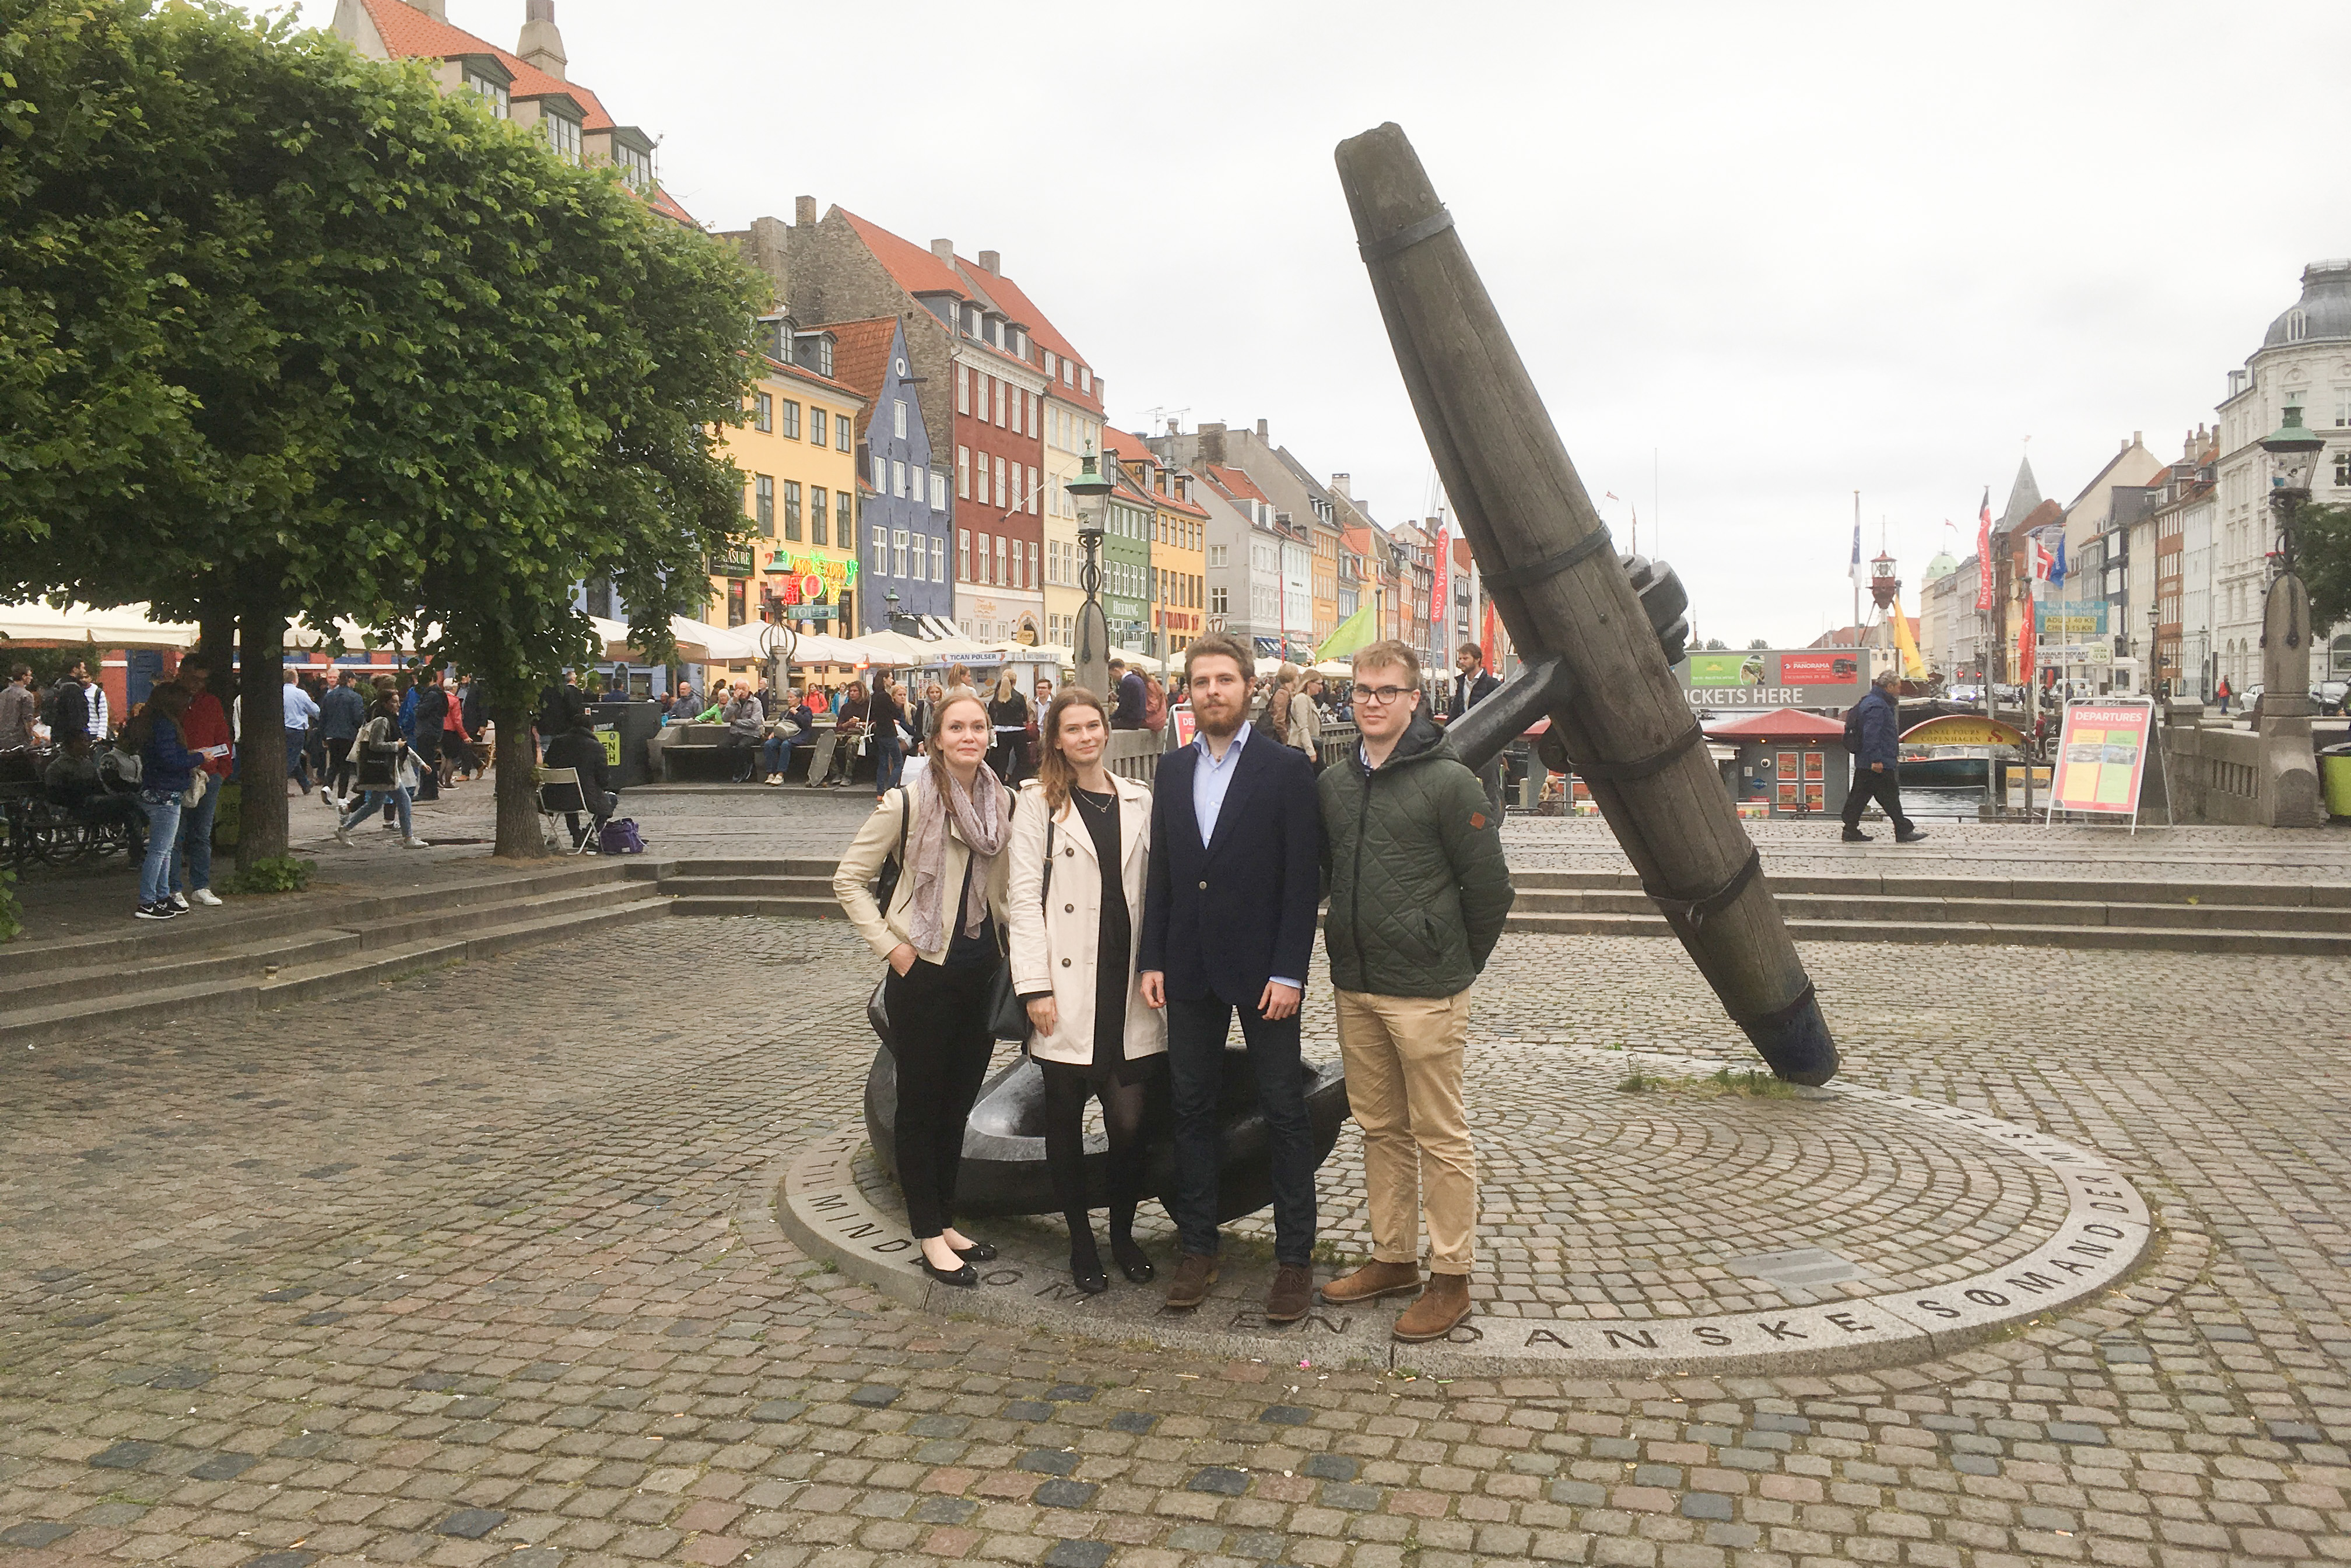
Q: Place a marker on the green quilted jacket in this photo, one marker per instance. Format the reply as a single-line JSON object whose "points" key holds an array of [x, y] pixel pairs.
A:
{"points": [[1413, 860]]}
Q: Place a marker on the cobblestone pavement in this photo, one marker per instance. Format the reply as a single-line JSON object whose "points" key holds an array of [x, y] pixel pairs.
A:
{"points": [[480, 1267]]}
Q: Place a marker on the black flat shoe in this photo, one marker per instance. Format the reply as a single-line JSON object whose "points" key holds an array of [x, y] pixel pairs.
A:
{"points": [[1132, 1262], [977, 1252], [965, 1278]]}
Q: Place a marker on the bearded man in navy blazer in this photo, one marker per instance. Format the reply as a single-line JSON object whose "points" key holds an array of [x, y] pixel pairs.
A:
{"points": [[1229, 926]]}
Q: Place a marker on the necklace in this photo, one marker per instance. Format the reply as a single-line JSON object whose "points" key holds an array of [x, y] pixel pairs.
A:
{"points": [[1086, 800]]}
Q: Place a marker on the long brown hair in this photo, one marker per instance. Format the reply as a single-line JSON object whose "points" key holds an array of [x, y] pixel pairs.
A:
{"points": [[1054, 769], [169, 699]]}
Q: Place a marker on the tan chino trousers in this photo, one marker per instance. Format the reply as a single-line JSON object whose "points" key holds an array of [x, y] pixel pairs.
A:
{"points": [[1404, 1087]]}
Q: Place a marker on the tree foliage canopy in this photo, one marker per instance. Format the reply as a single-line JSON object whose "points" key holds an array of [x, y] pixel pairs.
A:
{"points": [[2322, 555], [286, 329]]}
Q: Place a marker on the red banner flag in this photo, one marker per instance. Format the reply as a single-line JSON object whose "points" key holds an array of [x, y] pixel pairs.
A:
{"points": [[2025, 668], [1493, 660], [1983, 554]]}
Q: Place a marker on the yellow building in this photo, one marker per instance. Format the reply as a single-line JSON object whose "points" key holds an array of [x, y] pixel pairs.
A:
{"points": [[798, 458], [1175, 589]]}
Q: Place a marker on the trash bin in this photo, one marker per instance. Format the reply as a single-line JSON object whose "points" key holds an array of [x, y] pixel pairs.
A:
{"points": [[2335, 778]]}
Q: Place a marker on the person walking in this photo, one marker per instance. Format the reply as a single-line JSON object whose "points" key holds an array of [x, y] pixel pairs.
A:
{"points": [[167, 771], [1008, 710], [1473, 683], [301, 712], [939, 934], [342, 713], [1412, 858], [885, 713], [1081, 858], [387, 768], [1872, 733], [427, 723], [1128, 699], [1229, 926], [19, 708], [204, 729], [2225, 693]]}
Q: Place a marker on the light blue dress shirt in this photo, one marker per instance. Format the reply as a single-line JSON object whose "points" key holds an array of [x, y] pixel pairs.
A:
{"points": [[301, 710], [1210, 780]]}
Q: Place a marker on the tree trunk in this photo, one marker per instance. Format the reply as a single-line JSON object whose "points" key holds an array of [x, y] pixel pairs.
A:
{"points": [[261, 773], [517, 783]]}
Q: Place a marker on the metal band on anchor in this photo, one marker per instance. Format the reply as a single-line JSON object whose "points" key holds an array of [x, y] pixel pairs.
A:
{"points": [[1404, 238], [1780, 1018], [1693, 913], [1642, 767], [1550, 566]]}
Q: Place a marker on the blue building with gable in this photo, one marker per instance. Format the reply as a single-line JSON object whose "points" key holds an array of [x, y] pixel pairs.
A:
{"points": [[903, 513]]}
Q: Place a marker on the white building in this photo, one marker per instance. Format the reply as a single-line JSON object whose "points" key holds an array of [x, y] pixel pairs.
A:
{"points": [[2305, 358]]}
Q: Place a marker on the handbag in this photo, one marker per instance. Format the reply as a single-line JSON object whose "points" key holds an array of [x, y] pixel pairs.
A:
{"points": [[885, 887], [194, 795], [1007, 1015]]}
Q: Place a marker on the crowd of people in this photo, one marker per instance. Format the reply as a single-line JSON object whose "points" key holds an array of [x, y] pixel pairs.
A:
{"points": [[1133, 926]]}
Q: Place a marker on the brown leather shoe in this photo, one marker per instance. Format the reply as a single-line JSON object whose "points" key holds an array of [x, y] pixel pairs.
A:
{"points": [[1190, 1286], [1292, 1293], [1440, 1309], [1370, 1282]]}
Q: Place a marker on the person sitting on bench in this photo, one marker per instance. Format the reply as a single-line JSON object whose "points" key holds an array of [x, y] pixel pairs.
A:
{"points": [[582, 749]]}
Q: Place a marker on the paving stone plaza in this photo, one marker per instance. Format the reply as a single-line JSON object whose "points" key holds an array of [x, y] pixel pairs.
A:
{"points": [[485, 1265]]}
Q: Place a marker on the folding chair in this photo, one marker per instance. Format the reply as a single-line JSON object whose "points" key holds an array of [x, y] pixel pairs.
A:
{"points": [[559, 791]]}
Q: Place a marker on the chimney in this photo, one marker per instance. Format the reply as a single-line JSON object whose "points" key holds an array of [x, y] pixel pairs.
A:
{"points": [[1212, 445], [944, 250], [436, 9], [541, 44], [990, 262], [1339, 486], [765, 251], [803, 211], [2137, 436], [1260, 430]]}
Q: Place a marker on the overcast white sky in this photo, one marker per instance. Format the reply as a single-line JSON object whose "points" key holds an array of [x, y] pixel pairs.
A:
{"points": [[1797, 251]]}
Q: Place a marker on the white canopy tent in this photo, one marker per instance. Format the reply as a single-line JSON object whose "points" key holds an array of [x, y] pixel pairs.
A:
{"points": [[124, 626]]}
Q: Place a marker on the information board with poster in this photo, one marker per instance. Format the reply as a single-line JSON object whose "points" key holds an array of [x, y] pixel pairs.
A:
{"points": [[2102, 758], [1826, 678]]}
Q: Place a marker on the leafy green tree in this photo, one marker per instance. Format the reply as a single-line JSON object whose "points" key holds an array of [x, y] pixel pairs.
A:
{"points": [[1716, 645], [2323, 556], [1759, 642], [284, 330]]}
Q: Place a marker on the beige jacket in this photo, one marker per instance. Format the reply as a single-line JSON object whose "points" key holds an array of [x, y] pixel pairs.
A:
{"points": [[877, 842], [1055, 939], [1305, 724]]}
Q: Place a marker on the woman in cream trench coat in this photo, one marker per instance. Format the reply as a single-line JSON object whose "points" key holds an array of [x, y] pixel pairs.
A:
{"points": [[1075, 988]]}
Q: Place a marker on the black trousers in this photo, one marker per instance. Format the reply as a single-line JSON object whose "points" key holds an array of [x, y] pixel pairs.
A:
{"points": [[1883, 789], [940, 1040], [1196, 1066]]}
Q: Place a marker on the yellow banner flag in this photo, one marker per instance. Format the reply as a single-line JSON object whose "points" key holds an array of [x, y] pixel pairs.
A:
{"points": [[1913, 666]]}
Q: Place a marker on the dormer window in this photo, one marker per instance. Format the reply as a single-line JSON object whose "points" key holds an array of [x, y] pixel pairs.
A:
{"points": [[562, 134], [2297, 325], [636, 165], [493, 92]]}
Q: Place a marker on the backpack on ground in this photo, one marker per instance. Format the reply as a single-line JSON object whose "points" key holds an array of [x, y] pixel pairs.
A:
{"points": [[621, 837], [119, 770]]}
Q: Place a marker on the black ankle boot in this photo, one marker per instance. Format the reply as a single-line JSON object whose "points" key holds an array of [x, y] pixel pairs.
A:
{"points": [[1085, 1263]]}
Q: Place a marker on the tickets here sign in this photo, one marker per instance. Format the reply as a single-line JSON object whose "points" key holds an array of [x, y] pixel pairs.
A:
{"points": [[2101, 758]]}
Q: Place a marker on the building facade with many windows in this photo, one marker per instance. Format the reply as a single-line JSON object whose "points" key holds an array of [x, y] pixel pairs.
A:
{"points": [[798, 454], [905, 524]]}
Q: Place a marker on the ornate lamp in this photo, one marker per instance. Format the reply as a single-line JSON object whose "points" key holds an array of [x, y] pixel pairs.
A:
{"points": [[1091, 490]]}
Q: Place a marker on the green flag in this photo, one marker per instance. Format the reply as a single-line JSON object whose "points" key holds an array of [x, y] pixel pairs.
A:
{"points": [[1351, 635]]}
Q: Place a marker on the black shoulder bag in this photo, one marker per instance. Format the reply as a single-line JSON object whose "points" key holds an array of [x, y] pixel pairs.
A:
{"points": [[1007, 1015], [885, 887]]}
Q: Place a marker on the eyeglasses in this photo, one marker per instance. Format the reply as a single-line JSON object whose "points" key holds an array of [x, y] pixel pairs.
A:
{"points": [[1380, 696]]}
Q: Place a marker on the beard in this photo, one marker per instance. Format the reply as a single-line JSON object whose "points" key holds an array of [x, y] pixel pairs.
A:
{"points": [[1221, 720]]}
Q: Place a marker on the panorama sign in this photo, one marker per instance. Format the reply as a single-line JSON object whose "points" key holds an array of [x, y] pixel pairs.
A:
{"points": [[1758, 678]]}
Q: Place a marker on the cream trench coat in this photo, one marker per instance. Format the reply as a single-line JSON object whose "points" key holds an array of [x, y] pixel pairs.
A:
{"points": [[1055, 939], [877, 842]]}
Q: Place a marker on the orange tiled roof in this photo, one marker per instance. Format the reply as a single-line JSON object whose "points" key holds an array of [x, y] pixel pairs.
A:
{"points": [[916, 270], [861, 352], [1234, 483], [1018, 306], [409, 34], [802, 372]]}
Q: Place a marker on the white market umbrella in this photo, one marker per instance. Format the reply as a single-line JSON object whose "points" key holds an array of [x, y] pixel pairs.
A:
{"points": [[124, 626], [816, 648], [716, 645]]}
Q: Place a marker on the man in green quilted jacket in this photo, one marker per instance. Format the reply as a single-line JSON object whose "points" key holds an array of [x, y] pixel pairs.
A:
{"points": [[1412, 854]]}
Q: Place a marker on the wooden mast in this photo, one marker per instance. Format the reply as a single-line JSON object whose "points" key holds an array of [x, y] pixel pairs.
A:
{"points": [[1556, 582]]}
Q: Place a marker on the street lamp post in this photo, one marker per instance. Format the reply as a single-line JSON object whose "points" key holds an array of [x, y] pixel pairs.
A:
{"points": [[2286, 617], [1091, 490]]}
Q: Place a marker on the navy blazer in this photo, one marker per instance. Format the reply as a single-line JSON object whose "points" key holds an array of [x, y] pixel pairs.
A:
{"points": [[1222, 918]]}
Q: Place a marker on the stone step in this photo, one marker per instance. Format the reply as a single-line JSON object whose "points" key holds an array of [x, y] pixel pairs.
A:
{"points": [[802, 887], [140, 944], [337, 961], [2321, 943], [2314, 895], [824, 907], [1988, 911]]}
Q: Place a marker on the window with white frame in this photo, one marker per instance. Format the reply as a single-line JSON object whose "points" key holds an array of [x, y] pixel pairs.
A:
{"points": [[917, 547], [898, 417], [1032, 563], [963, 472], [897, 552], [493, 93], [1000, 401], [897, 479], [881, 557], [881, 473], [1000, 466], [939, 558], [963, 389], [1032, 492], [963, 555], [563, 133], [1217, 601], [938, 492]]}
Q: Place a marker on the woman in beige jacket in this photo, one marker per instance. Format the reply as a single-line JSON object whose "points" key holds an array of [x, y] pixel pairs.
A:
{"points": [[1081, 855], [948, 826]]}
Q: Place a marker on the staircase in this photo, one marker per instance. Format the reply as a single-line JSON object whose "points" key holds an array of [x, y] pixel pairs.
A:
{"points": [[200, 966], [2135, 916]]}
